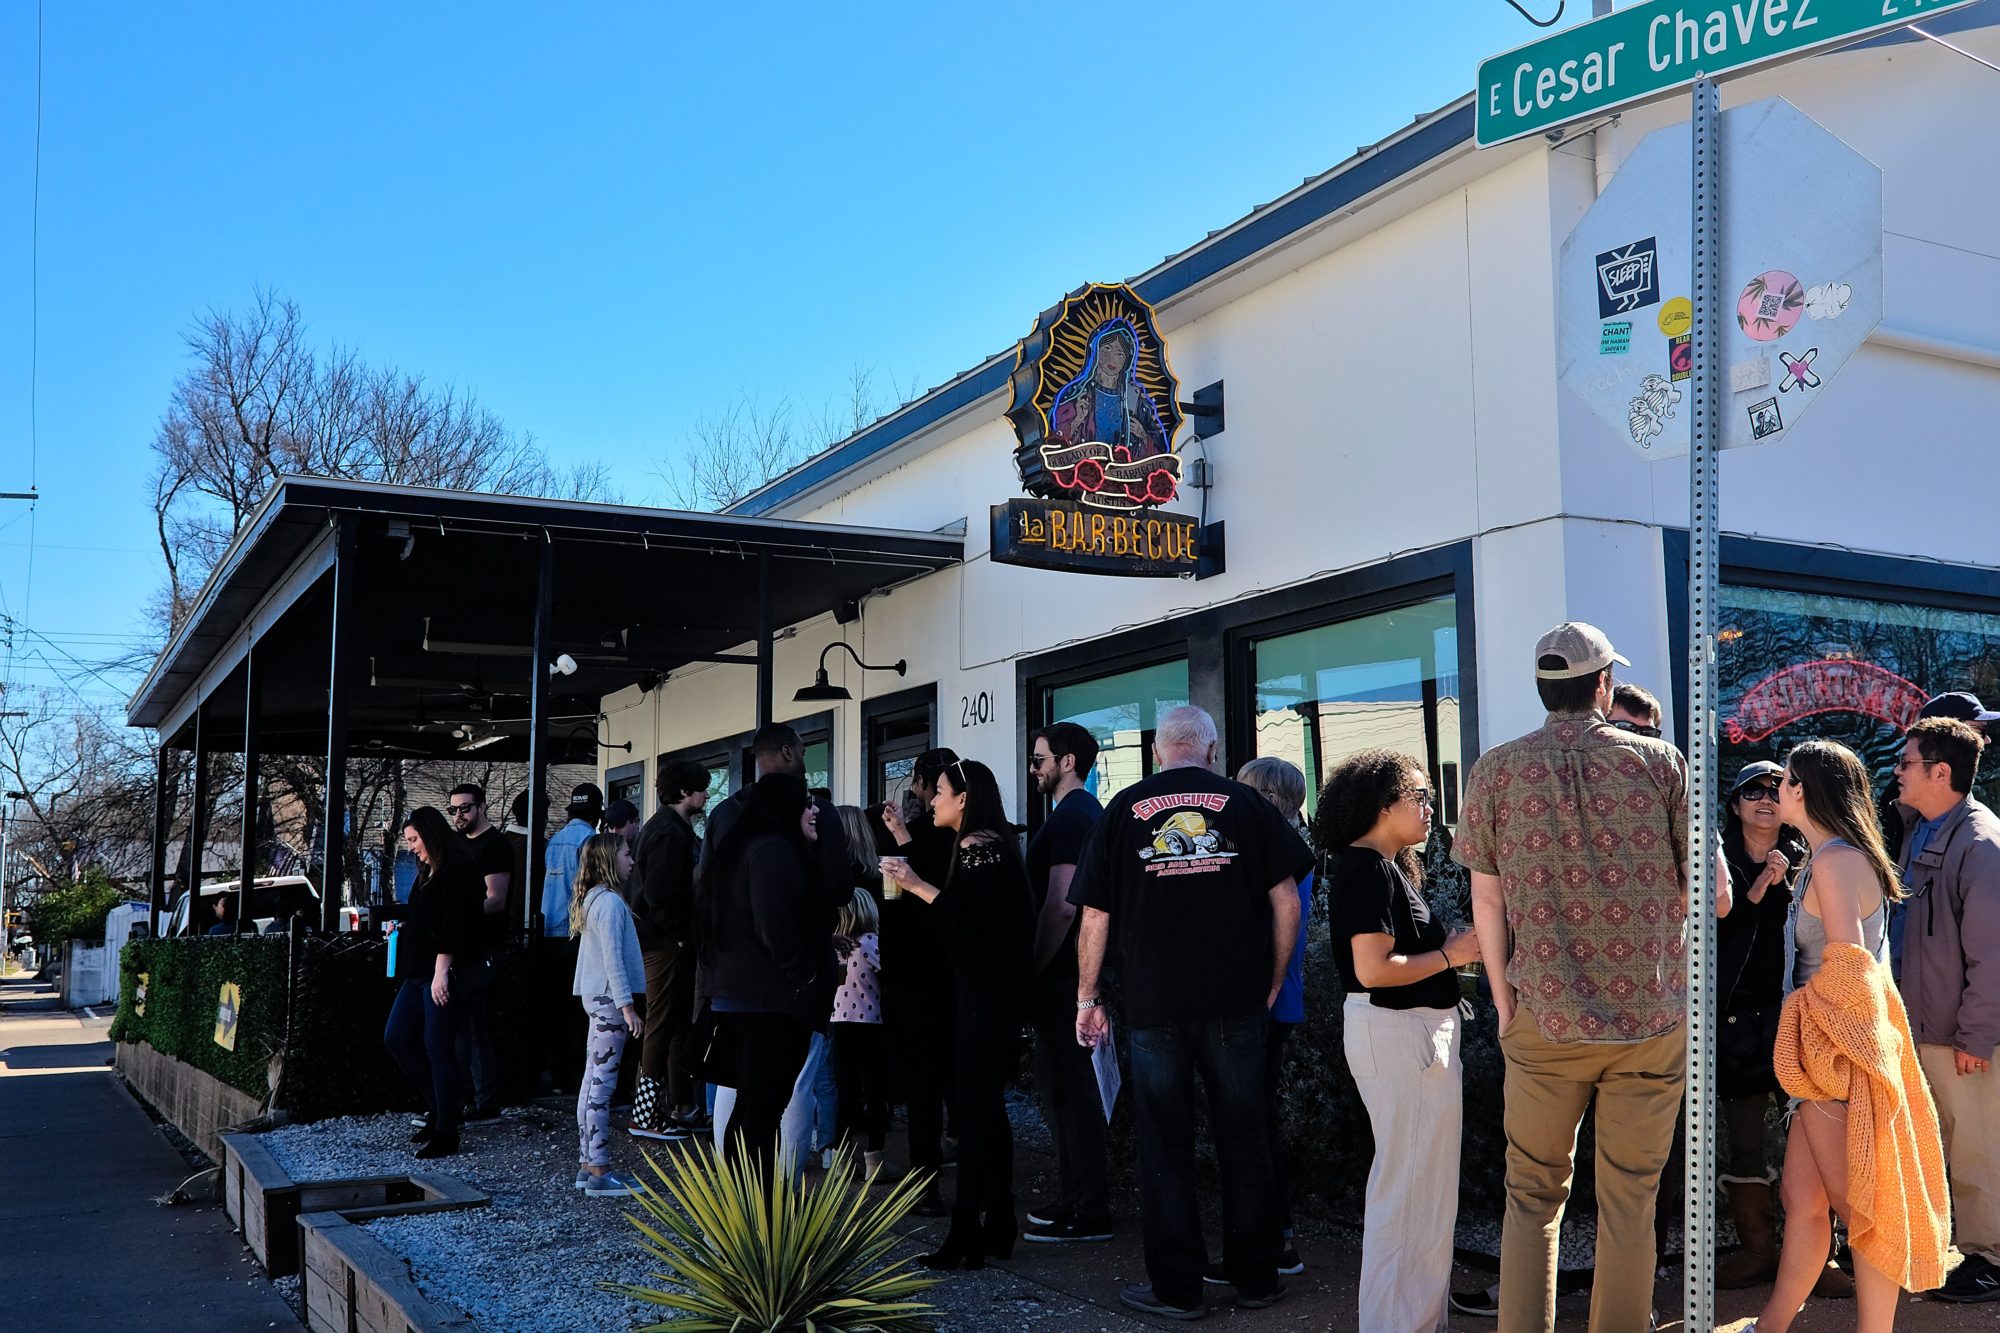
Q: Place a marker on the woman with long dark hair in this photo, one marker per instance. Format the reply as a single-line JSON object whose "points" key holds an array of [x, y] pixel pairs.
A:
{"points": [[987, 916], [766, 950], [1864, 1136], [435, 950], [1401, 1031]]}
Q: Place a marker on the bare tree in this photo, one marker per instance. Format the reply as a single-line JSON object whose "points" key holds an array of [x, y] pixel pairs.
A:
{"points": [[259, 403], [731, 453]]}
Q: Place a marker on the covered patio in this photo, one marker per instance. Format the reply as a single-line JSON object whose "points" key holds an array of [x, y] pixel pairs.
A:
{"points": [[355, 619]]}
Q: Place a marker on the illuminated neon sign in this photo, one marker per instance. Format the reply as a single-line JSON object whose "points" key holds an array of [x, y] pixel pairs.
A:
{"points": [[1095, 407], [1832, 685]]}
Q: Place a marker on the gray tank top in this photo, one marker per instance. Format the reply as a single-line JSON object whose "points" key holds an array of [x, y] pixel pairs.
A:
{"points": [[1808, 932]]}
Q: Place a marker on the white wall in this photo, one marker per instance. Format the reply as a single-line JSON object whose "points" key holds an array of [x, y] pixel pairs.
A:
{"points": [[1399, 393]]}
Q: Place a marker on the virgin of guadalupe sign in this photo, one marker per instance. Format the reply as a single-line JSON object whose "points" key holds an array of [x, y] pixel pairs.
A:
{"points": [[1095, 406]]}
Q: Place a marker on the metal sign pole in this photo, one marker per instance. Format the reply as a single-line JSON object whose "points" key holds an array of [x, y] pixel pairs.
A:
{"points": [[1698, 1224]]}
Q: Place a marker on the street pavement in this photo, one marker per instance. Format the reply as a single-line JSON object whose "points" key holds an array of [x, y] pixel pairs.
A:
{"points": [[83, 1247]]}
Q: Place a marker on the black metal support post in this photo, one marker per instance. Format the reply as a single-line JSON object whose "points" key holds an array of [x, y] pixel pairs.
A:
{"points": [[197, 832], [538, 737], [333, 831], [247, 867], [765, 648], [163, 816]]}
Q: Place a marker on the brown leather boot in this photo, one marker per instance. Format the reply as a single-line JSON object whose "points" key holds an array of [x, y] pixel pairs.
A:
{"points": [[1755, 1207]]}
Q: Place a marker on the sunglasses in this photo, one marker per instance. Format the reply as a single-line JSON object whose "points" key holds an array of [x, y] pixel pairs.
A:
{"points": [[1035, 761], [466, 809], [1759, 792], [1641, 728]]}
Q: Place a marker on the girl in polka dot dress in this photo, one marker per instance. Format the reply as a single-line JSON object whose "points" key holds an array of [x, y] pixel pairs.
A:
{"points": [[860, 1047]]}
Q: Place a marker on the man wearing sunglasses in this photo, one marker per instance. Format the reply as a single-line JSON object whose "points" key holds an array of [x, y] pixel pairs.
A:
{"points": [[479, 1066], [1633, 708], [1951, 977]]}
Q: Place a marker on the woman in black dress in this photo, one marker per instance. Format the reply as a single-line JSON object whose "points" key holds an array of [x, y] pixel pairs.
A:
{"points": [[987, 916], [437, 947]]}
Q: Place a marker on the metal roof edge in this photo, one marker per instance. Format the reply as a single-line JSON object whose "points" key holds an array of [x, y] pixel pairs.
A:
{"points": [[1414, 146]]}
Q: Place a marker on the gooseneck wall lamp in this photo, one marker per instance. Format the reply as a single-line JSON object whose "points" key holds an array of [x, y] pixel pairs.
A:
{"points": [[821, 692]]}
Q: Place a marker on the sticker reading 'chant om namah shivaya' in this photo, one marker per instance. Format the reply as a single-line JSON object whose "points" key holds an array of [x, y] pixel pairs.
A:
{"points": [[1095, 407]]}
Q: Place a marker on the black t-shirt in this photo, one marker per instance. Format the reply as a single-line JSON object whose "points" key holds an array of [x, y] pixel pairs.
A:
{"points": [[1184, 862], [1369, 895], [492, 856], [1060, 842]]}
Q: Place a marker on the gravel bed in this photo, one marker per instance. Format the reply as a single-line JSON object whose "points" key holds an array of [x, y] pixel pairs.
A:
{"points": [[532, 1259]]}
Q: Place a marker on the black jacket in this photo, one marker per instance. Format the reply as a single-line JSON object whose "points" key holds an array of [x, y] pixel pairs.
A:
{"points": [[836, 876], [773, 951], [1750, 949], [445, 915], [661, 894]]}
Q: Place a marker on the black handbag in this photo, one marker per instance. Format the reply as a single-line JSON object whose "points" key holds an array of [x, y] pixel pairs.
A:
{"points": [[472, 980], [710, 1053]]}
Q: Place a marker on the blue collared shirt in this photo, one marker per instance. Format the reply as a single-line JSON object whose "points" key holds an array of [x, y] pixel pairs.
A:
{"points": [[561, 860]]}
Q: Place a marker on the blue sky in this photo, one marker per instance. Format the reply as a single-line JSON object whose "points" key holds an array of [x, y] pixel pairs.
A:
{"points": [[606, 221]]}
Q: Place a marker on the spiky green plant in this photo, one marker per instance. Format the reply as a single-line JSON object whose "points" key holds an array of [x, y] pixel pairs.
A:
{"points": [[770, 1259]]}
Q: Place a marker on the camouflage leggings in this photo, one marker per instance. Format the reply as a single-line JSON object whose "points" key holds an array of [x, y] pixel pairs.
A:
{"points": [[600, 1078]]}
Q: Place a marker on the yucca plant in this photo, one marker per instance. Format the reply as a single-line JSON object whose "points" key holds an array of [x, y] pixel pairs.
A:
{"points": [[755, 1257]]}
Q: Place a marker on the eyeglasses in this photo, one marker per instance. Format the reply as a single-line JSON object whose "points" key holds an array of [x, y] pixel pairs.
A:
{"points": [[1035, 761], [1759, 792], [1641, 728], [1902, 764], [460, 810], [1422, 796]]}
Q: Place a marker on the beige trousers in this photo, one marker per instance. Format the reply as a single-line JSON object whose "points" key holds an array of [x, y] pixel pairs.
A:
{"points": [[1405, 1064], [1968, 1107], [1549, 1085]]}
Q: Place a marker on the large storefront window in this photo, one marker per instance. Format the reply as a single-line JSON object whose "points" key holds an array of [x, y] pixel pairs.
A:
{"points": [[1801, 666], [1121, 711], [1388, 680]]}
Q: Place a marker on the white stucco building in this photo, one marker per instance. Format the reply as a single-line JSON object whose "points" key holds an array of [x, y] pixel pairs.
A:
{"points": [[1410, 498]]}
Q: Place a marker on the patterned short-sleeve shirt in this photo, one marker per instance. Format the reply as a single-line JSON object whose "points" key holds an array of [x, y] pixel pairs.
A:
{"points": [[1586, 827]]}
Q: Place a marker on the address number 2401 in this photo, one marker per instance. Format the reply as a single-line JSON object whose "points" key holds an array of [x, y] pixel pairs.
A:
{"points": [[975, 710]]}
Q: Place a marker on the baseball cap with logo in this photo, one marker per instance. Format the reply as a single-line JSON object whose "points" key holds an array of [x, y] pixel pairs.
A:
{"points": [[1582, 648]]}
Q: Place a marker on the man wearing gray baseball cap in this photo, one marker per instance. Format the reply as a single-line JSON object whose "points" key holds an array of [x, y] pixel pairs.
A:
{"points": [[1576, 838]]}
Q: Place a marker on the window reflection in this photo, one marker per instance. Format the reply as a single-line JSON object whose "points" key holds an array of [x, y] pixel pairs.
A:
{"points": [[1387, 680], [1121, 711]]}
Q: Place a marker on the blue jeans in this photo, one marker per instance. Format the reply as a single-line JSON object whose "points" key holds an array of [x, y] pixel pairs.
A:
{"points": [[1229, 1054], [422, 1037]]}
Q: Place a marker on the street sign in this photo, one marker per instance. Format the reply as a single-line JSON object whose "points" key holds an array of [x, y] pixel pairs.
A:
{"points": [[1647, 50], [1800, 281]]}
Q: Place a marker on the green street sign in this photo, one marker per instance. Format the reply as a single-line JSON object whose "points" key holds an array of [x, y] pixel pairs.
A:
{"points": [[1650, 49]]}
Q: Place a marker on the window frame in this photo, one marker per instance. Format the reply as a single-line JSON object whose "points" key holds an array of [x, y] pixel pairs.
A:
{"points": [[1218, 641]]}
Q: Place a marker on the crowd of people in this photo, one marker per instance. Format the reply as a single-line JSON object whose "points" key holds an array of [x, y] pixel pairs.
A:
{"points": [[794, 967]]}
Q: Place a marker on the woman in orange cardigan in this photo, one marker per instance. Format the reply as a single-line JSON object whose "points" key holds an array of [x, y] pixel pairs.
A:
{"points": [[1863, 1137]]}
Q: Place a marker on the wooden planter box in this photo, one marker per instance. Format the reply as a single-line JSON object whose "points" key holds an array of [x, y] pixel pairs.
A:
{"points": [[266, 1204], [195, 1102], [353, 1284]]}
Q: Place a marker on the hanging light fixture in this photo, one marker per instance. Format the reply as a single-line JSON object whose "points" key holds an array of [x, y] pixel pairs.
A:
{"points": [[822, 692]]}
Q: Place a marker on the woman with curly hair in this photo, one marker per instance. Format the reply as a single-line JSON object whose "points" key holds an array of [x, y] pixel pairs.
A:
{"points": [[1401, 1031]]}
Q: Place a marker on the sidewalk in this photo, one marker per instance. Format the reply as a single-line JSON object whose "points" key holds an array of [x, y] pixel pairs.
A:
{"points": [[80, 1164]]}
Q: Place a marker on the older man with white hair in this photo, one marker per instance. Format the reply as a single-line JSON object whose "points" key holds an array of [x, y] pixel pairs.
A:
{"points": [[1200, 875]]}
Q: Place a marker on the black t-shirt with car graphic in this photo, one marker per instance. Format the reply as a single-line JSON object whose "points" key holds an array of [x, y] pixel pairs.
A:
{"points": [[1184, 862]]}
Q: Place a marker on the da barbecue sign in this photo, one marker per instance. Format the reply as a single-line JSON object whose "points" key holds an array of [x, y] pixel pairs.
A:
{"points": [[1801, 259], [1096, 410]]}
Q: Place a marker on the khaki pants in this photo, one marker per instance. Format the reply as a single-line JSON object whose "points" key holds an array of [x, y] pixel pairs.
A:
{"points": [[1549, 1085], [1968, 1108]]}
